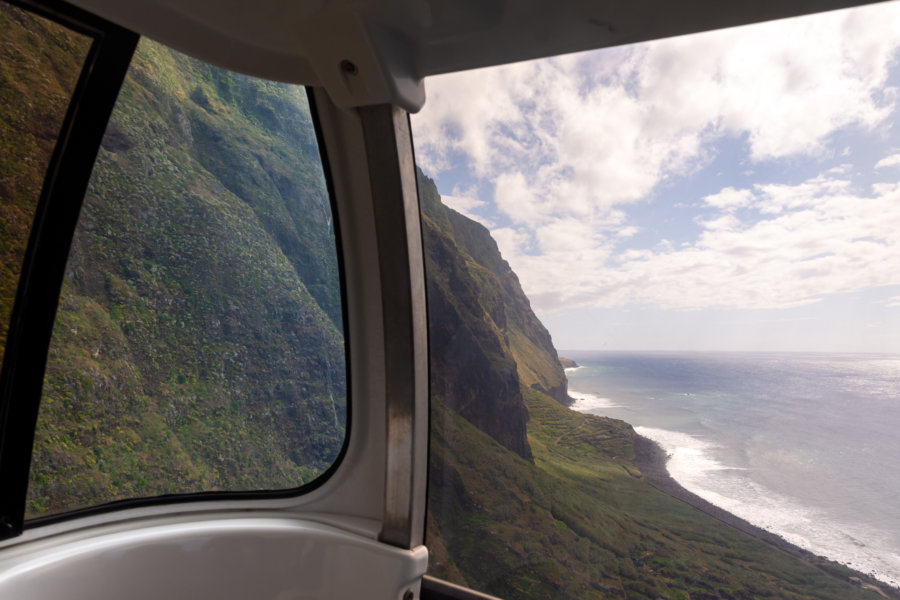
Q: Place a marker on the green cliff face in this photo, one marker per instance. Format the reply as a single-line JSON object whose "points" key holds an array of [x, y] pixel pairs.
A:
{"points": [[198, 342], [504, 306], [40, 62], [485, 340]]}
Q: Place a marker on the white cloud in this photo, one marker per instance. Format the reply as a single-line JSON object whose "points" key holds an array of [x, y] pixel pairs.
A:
{"points": [[465, 200], [729, 222], [832, 242], [729, 198], [888, 161], [463, 204], [567, 142], [776, 197], [599, 128], [468, 206], [842, 169], [627, 231]]}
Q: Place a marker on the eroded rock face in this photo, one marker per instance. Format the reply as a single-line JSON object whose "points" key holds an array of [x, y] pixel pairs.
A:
{"points": [[526, 338], [473, 375], [485, 340], [567, 363]]}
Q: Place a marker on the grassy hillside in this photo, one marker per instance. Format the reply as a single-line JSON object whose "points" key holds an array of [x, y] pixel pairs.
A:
{"points": [[198, 343], [41, 62], [581, 522]]}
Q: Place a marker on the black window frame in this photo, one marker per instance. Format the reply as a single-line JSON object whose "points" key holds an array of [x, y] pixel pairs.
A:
{"points": [[56, 215], [43, 269]]}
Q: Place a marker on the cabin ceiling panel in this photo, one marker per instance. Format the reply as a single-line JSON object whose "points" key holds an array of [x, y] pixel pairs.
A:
{"points": [[376, 51]]}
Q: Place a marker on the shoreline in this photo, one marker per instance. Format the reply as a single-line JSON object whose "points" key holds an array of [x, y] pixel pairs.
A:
{"points": [[651, 459]]}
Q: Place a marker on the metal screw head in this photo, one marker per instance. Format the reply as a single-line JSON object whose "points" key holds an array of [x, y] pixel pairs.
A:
{"points": [[349, 67]]}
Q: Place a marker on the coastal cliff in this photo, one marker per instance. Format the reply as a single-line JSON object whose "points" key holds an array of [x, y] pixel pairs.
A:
{"points": [[530, 499], [485, 340]]}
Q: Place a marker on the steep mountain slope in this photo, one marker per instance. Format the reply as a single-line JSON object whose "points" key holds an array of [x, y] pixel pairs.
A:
{"points": [[572, 516], [485, 341], [40, 62], [528, 340], [198, 342]]}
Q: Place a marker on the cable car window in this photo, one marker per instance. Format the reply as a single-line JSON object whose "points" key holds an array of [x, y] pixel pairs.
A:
{"points": [[198, 344], [710, 223], [40, 62]]}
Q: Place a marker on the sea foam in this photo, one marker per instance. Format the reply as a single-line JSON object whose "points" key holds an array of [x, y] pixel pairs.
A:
{"points": [[586, 403], [693, 464]]}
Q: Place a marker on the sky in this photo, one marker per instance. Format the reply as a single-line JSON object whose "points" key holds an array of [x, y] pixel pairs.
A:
{"points": [[731, 190]]}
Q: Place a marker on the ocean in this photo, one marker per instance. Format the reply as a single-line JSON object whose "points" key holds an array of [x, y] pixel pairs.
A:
{"points": [[806, 446]]}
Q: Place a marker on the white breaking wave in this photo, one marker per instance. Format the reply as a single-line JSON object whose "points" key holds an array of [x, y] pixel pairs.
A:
{"points": [[572, 369], [585, 402], [693, 465]]}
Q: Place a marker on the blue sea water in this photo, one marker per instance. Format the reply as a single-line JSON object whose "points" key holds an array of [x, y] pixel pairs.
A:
{"points": [[804, 445]]}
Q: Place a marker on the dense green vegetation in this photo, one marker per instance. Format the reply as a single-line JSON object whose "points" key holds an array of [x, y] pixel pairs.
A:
{"points": [[198, 342], [570, 515], [40, 62]]}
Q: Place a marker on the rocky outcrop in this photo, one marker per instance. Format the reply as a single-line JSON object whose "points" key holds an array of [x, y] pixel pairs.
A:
{"points": [[567, 363]]}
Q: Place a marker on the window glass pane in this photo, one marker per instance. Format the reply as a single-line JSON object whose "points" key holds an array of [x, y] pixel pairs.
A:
{"points": [[711, 224], [39, 66], [198, 344]]}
